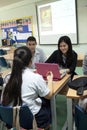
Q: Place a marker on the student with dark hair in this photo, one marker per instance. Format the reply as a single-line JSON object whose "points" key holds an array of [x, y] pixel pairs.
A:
{"points": [[85, 64], [64, 55], [83, 103], [37, 53], [26, 87]]}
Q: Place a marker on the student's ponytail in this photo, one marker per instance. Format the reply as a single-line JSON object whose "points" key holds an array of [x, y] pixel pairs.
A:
{"points": [[12, 92]]}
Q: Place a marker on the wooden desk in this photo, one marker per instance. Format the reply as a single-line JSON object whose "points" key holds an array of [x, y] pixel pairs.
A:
{"points": [[57, 86], [80, 60], [8, 56], [9, 49], [5, 72], [71, 94], [10, 52]]}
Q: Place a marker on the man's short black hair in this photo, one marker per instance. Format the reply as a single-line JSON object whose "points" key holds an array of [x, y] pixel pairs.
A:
{"points": [[31, 38]]}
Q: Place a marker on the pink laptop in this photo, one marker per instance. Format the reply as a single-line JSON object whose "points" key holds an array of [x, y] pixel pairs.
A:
{"points": [[43, 68]]}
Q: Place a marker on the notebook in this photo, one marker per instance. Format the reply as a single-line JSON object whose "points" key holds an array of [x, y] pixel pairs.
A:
{"points": [[43, 68]]}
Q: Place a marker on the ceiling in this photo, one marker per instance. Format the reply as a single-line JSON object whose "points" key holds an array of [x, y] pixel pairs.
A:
{"points": [[9, 2]]}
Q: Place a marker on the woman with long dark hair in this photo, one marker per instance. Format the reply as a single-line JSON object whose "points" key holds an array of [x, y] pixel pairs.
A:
{"points": [[64, 56], [25, 87]]}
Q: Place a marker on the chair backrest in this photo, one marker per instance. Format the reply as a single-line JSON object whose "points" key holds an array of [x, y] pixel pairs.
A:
{"points": [[80, 118], [3, 62], [25, 116], [2, 52], [6, 115]]}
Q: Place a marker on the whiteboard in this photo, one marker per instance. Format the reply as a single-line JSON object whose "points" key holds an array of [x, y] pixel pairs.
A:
{"points": [[56, 19]]}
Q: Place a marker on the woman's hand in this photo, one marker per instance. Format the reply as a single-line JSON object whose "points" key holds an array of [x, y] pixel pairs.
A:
{"points": [[50, 84], [49, 75], [67, 70]]}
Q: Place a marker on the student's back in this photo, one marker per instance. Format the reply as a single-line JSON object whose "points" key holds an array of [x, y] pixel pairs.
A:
{"points": [[26, 87]]}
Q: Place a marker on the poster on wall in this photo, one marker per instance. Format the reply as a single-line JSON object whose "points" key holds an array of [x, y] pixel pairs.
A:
{"points": [[17, 30]]}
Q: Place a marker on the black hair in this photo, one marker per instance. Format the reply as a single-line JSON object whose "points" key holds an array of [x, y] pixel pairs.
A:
{"points": [[12, 92], [31, 38], [69, 54]]}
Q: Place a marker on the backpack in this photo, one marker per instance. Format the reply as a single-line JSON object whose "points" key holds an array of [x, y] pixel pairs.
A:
{"points": [[78, 82]]}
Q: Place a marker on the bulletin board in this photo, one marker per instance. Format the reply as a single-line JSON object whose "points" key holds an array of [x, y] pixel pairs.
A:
{"points": [[17, 30]]}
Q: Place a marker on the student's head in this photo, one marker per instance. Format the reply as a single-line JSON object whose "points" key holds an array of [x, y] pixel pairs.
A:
{"points": [[31, 43], [22, 57], [12, 92], [64, 45]]}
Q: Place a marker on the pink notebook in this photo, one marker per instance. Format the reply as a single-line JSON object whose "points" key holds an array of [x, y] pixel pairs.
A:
{"points": [[43, 68]]}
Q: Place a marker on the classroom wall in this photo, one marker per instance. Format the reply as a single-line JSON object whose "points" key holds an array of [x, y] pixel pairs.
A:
{"points": [[28, 8]]}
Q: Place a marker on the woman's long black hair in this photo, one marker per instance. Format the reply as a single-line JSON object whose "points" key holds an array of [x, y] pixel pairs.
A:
{"points": [[12, 92], [69, 54]]}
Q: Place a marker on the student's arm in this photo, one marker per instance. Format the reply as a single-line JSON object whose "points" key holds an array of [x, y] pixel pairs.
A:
{"points": [[52, 58], [49, 80], [74, 63], [67, 70]]}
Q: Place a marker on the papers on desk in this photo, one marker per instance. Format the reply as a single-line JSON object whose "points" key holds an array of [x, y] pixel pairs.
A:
{"points": [[8, 56], [6, 48]]}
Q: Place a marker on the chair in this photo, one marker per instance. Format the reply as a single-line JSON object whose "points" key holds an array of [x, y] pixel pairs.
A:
{"points": [[80, 118], [3, 62], [2, 52], [8, 116]]}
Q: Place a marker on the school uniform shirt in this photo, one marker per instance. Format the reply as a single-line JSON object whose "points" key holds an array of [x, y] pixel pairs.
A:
{"points": [[39, 56], [54, 58], [33, 87]]}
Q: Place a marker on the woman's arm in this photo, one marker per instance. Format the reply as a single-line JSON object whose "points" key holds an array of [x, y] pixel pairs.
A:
{"points": [[52, 58], [50, 85], [74, 63]]}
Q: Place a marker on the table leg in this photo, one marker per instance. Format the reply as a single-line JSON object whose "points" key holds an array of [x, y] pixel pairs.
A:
{"points": [[69, 114], [53, 109]]}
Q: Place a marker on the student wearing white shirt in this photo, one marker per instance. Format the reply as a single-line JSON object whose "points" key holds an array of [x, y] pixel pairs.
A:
{"points": [[29, 88], [37, 53]]}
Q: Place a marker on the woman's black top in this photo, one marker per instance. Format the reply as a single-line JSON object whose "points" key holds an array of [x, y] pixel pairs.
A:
{"points": [[70, 62]]}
